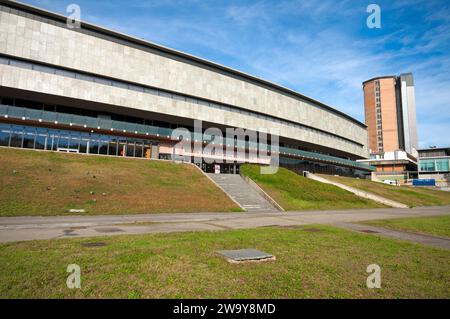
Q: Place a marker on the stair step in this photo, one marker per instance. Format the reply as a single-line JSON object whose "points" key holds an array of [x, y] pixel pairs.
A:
{"points": [[244, 194]]}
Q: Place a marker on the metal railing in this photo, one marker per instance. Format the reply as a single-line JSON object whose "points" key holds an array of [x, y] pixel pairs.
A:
{"points": [[126, 127]]}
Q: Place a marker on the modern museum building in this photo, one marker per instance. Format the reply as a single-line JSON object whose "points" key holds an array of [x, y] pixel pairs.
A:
{"points": [[90, 90]]}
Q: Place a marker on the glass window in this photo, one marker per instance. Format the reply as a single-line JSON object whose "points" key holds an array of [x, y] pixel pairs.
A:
{"points": [[84, 142], [113, 147], [53, 137], [41, 139], [442, 165], [427, 166], [74, 141], [16, 137], [130, 149], [93, 145], [138, 151], [63, 140], [28, 137], [103, 145], [4, 135]]}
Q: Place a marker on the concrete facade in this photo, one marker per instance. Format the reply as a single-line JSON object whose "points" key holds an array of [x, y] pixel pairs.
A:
{"points": [[390, 110], [408, 98], [43, 39], [381, 115]]}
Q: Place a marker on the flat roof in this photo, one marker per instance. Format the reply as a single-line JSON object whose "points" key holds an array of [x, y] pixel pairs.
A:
{"points": [[188, 57], [434, 149], [379, 78]]}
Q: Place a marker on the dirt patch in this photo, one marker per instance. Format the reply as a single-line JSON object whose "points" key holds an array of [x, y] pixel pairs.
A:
{"points": [[368, 231], [108, 230]]}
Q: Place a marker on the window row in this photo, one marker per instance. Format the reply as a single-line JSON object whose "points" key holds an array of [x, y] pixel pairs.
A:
{"points": [[438, 165], [158, 92], [76, 142]]}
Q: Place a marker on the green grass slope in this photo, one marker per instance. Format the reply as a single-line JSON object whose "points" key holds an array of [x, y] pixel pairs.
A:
{"points": [[295, 192], [47, 183], [412, 196]]}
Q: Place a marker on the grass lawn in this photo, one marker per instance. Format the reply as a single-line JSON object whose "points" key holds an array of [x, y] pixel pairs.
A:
{"points": [[436, 225], [412, 196], [329, 263], [295, 192], [48, 183]]}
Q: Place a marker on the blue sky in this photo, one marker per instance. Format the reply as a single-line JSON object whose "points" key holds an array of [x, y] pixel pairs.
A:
{"points": [[321, 48]]}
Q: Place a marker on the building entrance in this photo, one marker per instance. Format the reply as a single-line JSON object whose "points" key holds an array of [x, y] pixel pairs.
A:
{"points": [[224, 168]]}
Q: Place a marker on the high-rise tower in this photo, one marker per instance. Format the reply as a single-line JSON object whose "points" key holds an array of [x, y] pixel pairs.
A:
{"points": [[390, 110]]}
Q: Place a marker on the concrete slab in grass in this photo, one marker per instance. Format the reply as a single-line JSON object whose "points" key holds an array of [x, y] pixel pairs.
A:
{"points": [[245, 255]]}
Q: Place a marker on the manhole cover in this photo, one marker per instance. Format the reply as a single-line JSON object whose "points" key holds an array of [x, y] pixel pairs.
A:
{"points": [[108, 230], [312, 230], [245, 255], [98, 244], [368, 231], [69, 232]]}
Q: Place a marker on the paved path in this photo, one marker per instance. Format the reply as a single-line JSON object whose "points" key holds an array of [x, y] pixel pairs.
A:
{"points": [[430, 240], [31, 228]]}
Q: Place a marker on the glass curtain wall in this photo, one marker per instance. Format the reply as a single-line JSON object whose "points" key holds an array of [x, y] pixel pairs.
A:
{"points": [[61, 140]]}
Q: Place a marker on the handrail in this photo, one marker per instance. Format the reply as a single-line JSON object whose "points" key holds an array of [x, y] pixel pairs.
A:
{"points": [[112, 125]]}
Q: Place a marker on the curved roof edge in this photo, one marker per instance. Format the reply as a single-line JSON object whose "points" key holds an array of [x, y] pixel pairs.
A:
{"points": [[56, 16]]}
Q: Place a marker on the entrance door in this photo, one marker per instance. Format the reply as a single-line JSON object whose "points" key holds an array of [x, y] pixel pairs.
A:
{"points": [[147, 151]]}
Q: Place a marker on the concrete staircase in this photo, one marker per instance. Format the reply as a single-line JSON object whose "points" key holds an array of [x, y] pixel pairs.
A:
{"points": [[243, 193]]}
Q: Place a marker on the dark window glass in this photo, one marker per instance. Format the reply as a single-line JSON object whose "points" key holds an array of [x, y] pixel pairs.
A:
{"points": [[67, 109], [130, 149], [29, 104], [161, 124], [28, 137], [74, 141], [63, 140], [112, 147], [84, 144], [93, 145], [85, 112], [103, 149], [116, 117], [103, 145], [52, 141], [41, 140], [138, 152], [7, 101], [16, 138], [50, 108], [4, 135]]}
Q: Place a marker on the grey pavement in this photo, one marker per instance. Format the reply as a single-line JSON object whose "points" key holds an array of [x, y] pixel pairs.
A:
{"points": [[435, 241], [35, 228]]}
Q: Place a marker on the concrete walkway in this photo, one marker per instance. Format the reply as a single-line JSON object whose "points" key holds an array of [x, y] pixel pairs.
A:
{"points": [[430, 240], [32, 228], [358, 192]]}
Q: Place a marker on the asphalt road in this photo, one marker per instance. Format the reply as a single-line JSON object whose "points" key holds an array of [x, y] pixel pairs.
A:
{"points": [[37, 228]]}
